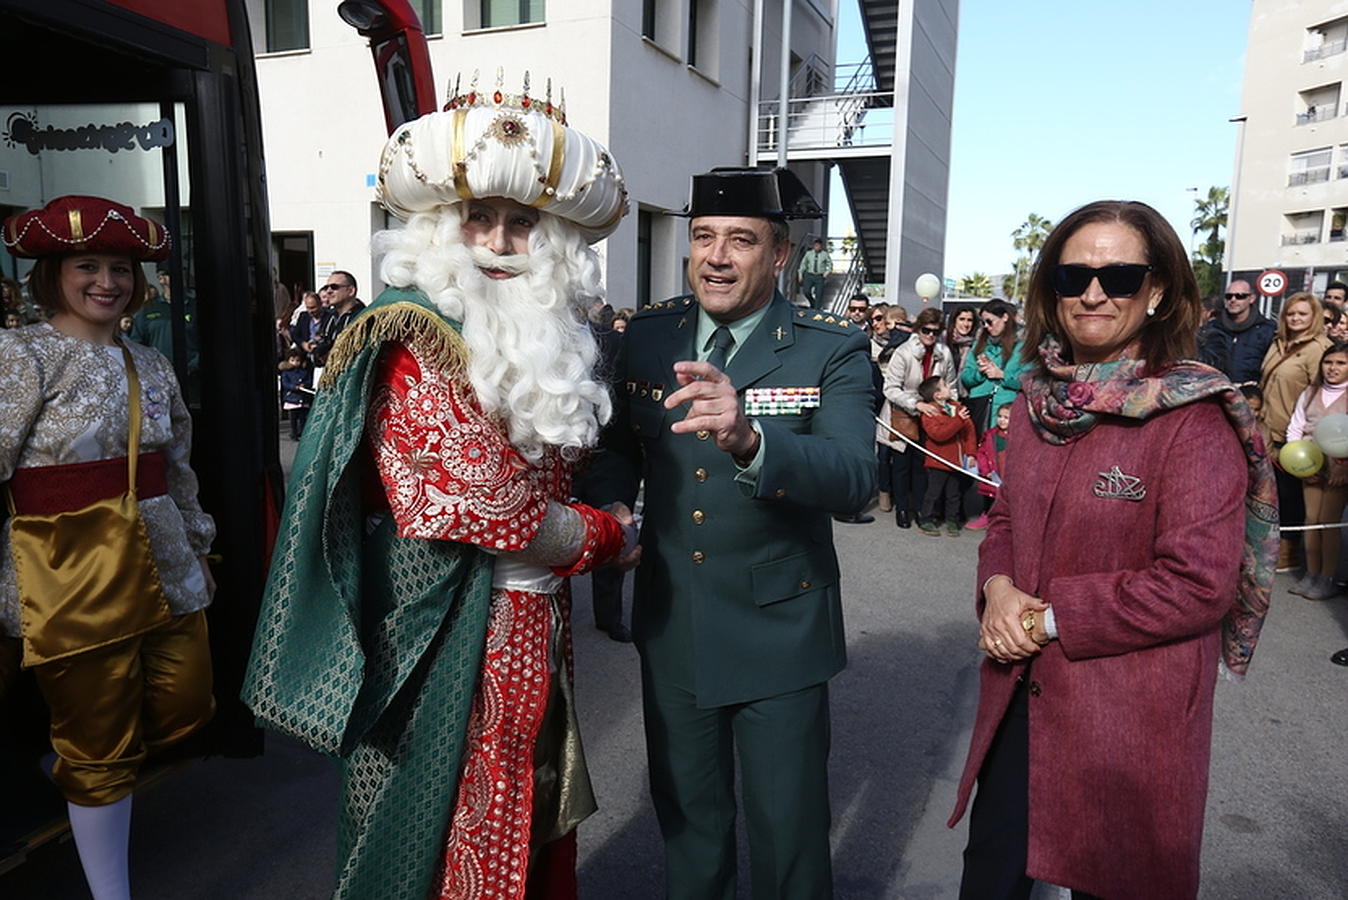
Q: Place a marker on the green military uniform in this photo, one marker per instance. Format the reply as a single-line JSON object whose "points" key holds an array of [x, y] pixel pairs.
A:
{"points": [[737, 609]]}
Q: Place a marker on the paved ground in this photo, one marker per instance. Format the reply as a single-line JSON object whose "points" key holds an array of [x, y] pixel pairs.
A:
{"points": [[238, 829]]}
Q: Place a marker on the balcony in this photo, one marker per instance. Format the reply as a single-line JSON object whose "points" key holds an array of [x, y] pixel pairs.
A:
{"points": [[1309, 176], [1301, 237], [1332, 48], [1318, 114]]}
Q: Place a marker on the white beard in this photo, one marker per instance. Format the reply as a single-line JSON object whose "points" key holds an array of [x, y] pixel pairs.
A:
{"points": [[531, 359]]}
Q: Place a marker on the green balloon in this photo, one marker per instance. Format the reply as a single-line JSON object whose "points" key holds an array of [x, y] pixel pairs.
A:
{"points": [[1301, 458]]}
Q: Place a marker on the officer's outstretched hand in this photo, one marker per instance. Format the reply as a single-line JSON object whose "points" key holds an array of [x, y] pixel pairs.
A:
{"points": [[630, 556], [714, 407]]}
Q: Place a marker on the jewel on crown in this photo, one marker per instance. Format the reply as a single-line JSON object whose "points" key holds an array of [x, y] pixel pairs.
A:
{"points": [[499, 99]]}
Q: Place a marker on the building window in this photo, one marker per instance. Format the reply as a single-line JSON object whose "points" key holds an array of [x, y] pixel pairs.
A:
{"points": [[692, 32], [499, 13], [644, 219], [1327, 39], [1337, 219], [1303, 227], [1311, 167], [287, 25], [702, 35], [428, 11], [1318, 104], [648, 18]]}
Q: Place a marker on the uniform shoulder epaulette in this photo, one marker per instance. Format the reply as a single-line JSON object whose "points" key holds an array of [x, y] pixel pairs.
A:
{"points": [[831, 322], [665, 307]]}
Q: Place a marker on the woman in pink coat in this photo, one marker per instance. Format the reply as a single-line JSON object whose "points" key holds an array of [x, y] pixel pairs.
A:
{"points": [[1130, 553]]}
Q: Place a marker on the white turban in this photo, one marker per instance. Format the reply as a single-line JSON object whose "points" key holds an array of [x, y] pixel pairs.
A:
{"points": [[497, 145]]}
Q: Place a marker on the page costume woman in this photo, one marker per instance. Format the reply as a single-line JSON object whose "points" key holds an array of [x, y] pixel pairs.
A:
{"points": [[64, 421]]}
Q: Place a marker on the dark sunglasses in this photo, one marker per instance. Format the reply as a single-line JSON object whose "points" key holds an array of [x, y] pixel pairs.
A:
{"points": [[1122, 280], [1234, 296], [927, 329]]}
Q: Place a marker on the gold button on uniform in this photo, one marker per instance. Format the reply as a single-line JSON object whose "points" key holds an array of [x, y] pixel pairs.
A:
{"points": [[804, 585], [779, 493], [700, 474], [698, 556], [699, 517], [703, 435]]}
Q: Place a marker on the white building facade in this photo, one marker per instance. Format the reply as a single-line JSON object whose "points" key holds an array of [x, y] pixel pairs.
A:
{"points": [[666, 85], [1289, 205]]}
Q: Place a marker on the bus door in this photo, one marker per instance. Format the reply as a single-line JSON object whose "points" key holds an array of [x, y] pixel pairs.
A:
{"points": [[106, 99]]}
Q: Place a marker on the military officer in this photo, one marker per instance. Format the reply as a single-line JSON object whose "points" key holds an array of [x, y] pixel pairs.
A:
{"points": [[749, 422]]}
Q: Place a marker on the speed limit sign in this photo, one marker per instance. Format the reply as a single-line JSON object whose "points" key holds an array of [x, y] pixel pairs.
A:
{"points": [[1272, 283]]}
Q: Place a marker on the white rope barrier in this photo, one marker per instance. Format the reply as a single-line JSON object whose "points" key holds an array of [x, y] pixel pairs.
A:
{"points": [[1321, 527], [945, 462]]}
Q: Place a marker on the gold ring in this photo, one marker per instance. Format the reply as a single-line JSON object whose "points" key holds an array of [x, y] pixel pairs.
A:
{"points": [[997, 642]]}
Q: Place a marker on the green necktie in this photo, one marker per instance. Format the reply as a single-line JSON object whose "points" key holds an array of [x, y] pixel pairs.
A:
{"points": [[721, 342]]}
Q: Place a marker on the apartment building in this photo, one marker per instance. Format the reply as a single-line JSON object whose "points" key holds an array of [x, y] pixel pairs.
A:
{"points": [[667, 86], [1289, 203]]}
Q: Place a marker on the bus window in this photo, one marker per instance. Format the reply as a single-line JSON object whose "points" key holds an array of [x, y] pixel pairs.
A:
{"points": [[133, 153]]}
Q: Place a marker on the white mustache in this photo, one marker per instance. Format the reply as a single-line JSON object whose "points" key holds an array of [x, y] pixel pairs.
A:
{"points": [[485, 259]]}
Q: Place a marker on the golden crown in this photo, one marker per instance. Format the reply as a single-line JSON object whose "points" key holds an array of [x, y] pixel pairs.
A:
{"points": [[499, 99]]}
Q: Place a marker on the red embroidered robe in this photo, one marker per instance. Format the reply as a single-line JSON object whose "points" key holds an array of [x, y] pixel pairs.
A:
{"points": [[449, 472]]}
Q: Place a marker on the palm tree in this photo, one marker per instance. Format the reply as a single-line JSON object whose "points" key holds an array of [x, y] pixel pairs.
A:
{"points": [[1210, 213], [1210, 218], [1016, 282], [1029, 240], [976, 284]]}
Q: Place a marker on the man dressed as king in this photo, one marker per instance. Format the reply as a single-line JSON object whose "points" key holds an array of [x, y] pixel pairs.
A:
{"points": [[415, 621]]}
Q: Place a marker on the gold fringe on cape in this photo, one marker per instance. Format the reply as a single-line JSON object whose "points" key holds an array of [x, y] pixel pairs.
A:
{"points": [[434, 339]]}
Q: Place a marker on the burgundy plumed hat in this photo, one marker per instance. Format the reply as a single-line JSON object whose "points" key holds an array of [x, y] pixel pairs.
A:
{"points": [[75, 223]]}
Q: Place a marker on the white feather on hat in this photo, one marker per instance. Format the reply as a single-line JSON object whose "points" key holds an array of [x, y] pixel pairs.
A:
{"points": [[503, 145]]}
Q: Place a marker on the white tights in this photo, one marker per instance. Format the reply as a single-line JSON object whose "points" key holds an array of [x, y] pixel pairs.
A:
{"points": [[102, 835]]}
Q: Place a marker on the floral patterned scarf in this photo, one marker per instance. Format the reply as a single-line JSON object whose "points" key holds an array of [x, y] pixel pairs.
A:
{"points": [[1069, 400]]}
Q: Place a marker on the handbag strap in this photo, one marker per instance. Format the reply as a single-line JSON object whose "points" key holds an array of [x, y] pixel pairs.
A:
{"points": [[133, 419]]}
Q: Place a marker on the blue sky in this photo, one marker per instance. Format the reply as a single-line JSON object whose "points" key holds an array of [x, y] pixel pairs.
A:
{"points": [[1061, 103]]}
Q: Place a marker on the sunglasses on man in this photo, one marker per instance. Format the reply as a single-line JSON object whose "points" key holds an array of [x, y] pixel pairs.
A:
{"points": [[1120, 280], [1237, 295]]}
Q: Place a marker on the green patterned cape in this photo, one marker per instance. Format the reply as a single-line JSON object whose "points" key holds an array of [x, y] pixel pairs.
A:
{"points": [[369, 645]]}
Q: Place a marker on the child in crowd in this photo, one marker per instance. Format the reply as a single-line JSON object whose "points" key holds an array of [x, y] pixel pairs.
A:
{"points": [[1326, 492], [991, 457], [1255, 397], [950, 435], [297, 390]]}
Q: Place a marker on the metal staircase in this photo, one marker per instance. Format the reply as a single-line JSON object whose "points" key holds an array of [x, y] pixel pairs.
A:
{"points": [[846, 117]]}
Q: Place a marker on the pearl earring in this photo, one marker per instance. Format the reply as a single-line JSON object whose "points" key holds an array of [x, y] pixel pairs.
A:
{"points": [[1151, 310]]}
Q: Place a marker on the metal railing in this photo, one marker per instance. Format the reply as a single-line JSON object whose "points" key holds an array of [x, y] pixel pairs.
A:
{"points": [[1318, 113], [1330, 49], [845, 110], [811, 78], [1308, 176]]}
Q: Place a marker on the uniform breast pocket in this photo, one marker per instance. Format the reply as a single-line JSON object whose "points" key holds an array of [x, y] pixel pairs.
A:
{"points": [[792, 576], [648, 420]]}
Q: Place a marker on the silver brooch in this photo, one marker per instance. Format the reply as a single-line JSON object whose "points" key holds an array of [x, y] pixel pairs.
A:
{"points": [[1115, 485]]}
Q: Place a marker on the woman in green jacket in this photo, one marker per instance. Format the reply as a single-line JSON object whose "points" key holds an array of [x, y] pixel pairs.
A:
{"points": [[992, 370]]}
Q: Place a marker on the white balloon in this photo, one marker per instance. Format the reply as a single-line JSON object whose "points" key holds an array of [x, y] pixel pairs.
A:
{"points": [[1331, 433], [927, 286]]}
